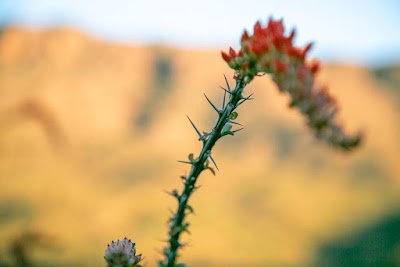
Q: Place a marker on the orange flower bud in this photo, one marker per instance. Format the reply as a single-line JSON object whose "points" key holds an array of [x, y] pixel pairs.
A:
{"points": [[225, 56], [314, 66], [245, 36], [232, 52], [296, 52], [275, 27], [307, 48], [257, 28]]}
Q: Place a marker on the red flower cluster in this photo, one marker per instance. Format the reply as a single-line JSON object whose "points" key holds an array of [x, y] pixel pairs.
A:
{"points": [[269, 50]]}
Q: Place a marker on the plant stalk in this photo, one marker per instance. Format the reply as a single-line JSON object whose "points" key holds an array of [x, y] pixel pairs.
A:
{"points": [[178, 225]]}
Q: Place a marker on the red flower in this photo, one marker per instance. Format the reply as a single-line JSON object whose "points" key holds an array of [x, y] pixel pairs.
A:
{"points": [[315, 66], [275, 27], [282, 43], [269, 50], [232, 52], [258, 29], [225, 56], [295, 52], [259, 46], [280, 66], [245, 36]]}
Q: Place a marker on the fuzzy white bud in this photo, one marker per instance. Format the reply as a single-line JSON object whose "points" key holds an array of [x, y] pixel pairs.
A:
{"points": [[122, 254]]}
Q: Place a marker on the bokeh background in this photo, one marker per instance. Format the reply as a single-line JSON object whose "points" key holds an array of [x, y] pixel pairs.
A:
{"points": [[94, 98]]}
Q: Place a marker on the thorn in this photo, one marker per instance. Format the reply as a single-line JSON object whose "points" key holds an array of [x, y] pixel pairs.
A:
{"points": [[223, 100], [214, 107], [186, 162], [197, 187], [183, 245], [197, 131], [227, 84], [240, 102], [229, 92], [234, 122], [244, 99], [173, 193], [213, 161], [237, 130], [249, 97]]}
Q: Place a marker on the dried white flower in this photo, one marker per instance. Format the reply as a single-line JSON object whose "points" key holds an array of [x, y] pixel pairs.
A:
{"points": [[122, 254]]}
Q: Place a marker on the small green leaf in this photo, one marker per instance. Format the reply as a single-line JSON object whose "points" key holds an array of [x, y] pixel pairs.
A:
{"points": [[227, 129], [233, 115]]}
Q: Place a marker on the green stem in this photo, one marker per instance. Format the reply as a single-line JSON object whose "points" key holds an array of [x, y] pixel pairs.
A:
{"points": [[177, 223]]}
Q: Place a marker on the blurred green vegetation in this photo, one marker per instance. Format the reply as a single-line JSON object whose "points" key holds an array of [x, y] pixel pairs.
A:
{"points": [[390, 75], [376, 245]]}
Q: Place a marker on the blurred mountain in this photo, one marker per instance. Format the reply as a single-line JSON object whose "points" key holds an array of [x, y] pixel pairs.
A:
{"points": [[91, 131], [390, 76]]}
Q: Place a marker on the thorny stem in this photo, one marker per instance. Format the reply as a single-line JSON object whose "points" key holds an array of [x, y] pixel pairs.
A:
{"points": [[178, 225]]}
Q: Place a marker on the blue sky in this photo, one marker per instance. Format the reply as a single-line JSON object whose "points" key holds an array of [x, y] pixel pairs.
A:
{"points": [[364, 32]]}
